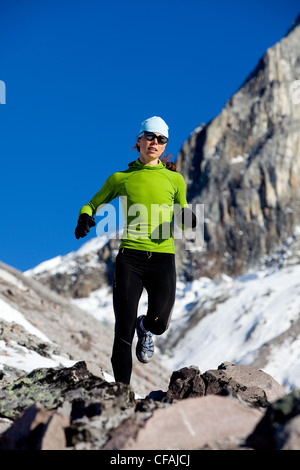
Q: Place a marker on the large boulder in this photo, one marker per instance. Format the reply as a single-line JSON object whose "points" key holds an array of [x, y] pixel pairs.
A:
{"points": [[193, 423], [251, 385]]}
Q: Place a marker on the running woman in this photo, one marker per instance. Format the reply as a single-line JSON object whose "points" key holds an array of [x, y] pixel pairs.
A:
{"points": [[151, 192]]}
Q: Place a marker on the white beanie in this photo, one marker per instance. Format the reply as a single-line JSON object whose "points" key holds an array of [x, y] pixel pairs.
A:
{"points": [[154, 124]]}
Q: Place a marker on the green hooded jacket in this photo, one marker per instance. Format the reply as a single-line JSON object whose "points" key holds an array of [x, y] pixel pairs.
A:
{"points": [[150, 196]]}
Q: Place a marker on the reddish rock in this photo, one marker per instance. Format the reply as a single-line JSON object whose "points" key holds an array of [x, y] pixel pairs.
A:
{"points": [[36, 429], [188, 424]]}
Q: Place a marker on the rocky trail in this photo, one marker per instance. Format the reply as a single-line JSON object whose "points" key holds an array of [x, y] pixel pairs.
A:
{"points": [[231, 408]]}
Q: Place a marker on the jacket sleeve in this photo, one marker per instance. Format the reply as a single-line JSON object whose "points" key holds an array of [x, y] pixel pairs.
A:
{"points": [[180, 194], [108, 192], [184, 216]]}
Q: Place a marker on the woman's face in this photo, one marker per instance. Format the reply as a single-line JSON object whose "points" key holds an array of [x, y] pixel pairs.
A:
{"points": [[150, 149]]}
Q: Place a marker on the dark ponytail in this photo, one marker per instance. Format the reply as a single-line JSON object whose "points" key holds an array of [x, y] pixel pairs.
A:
{"points": [[169, 165]]}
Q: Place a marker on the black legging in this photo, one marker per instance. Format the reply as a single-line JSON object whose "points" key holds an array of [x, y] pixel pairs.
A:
{"points": [[135, 270]]}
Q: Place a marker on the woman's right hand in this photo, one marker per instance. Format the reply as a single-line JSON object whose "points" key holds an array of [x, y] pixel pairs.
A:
{"points": [[84, 223]]}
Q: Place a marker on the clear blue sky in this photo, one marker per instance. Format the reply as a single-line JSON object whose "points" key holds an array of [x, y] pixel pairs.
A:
{"points": [[81, 75]]}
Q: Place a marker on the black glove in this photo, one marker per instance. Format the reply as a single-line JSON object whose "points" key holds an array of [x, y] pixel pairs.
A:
{"points": [[187, 218], [85, 221]]}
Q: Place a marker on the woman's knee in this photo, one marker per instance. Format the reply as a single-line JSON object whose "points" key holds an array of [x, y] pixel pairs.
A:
{"points": [[158, 326]]}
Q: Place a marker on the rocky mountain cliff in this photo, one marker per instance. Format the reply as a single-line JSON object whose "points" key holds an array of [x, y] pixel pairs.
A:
{"points": [[244, 166]]}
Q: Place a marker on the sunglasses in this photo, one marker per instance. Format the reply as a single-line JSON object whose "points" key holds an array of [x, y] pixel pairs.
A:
{"points": [[161, 139]]}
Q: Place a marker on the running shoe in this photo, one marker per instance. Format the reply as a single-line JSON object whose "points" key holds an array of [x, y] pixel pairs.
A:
{"points": [[145, 345]]}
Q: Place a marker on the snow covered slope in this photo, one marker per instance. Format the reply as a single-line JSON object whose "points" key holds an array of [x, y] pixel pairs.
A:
{"points": [[232, 321], [247, 314], [15, 355]]}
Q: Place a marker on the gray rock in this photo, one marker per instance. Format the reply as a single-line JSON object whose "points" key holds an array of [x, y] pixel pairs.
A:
{"points": [[53, 386]]}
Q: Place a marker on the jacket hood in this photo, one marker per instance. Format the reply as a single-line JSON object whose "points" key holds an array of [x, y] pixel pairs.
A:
{"points": [[138, 165]]}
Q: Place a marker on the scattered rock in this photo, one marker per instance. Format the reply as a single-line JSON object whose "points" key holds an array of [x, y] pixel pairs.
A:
{"points": [[75, 408]]}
